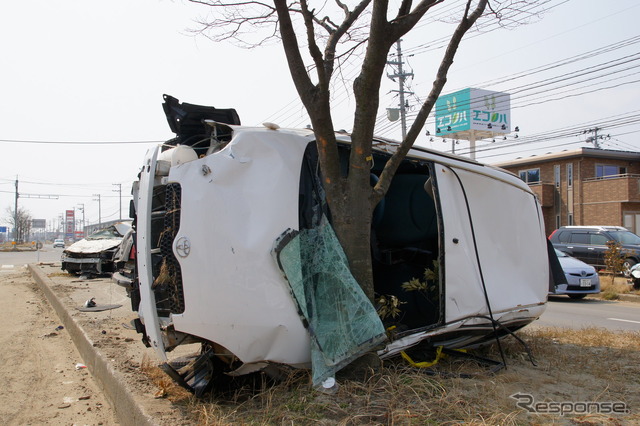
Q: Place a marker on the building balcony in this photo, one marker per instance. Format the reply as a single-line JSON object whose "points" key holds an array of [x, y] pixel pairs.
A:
{"points": [[619, 188], [544, 191]]}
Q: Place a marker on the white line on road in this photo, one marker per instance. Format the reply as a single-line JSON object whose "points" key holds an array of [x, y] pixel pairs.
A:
{"points": [[623, 320], [7, 266]]}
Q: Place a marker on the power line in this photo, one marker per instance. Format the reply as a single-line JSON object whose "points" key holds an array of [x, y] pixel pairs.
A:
{"points": [[79, 142]]}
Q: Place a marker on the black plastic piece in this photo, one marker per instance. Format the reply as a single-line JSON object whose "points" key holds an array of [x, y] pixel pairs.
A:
{"points": [[186, 120]]}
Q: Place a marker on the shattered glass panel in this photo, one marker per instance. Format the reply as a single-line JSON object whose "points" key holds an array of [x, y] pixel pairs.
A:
{"points": [[105, 234], [341, 320]]}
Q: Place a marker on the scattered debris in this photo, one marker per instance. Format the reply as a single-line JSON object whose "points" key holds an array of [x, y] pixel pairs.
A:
{"points": [[161, 393], [99, 308], [129, 326], [91, 306], [80, 366]]}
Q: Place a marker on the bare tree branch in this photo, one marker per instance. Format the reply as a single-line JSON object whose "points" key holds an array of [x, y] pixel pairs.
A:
{"points": [[350, 18], [351, 198], [466, 22]]}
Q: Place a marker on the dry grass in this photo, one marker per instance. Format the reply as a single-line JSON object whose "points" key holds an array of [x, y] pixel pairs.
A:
{"points": [[166, 388], [573, 365], [610, 289]]}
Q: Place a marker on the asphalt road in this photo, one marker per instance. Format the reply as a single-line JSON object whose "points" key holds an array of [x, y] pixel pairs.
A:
{"points": [[565, 312], [20, 258]]}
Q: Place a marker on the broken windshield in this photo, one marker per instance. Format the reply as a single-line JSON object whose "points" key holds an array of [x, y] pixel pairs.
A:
{"points": [[105, 234], [342, 322]]}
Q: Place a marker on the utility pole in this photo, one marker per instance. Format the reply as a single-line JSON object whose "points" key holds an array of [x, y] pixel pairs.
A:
{"points": [[595, 136], [119, 190], [15, 215], [99, 210], [82, 204], [401, 75]]}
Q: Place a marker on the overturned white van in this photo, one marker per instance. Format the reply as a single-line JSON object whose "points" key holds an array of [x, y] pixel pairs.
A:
{"points": [[233, 251]]}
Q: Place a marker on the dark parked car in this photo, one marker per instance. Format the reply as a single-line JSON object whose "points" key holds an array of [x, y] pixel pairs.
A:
{"points": [[589, 243]]}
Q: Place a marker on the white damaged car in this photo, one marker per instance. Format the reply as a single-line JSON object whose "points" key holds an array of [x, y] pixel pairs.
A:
{"points": [[94, 255], [235, 252]]}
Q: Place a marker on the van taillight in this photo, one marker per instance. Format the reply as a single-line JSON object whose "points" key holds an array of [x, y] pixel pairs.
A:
{"points": [[132, 253]]}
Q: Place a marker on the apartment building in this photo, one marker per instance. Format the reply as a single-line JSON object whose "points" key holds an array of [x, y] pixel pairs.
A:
{"points": [[586, 186]]}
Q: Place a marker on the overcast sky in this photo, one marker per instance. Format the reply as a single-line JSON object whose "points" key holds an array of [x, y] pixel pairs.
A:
{"points": [[78, 72]]}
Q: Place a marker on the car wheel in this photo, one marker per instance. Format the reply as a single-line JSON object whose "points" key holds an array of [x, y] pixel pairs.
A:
{"points": [[626, 266], [577, 296]]}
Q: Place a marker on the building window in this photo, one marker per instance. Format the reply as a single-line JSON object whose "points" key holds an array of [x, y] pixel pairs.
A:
{"points": [[608, 170], [632, 221], [530, 176], [556, 176], [570, 219], [557, 221], [570, 175]]}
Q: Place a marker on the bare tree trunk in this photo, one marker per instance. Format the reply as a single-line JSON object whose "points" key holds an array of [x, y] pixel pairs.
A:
{"points": [[352, 224]]}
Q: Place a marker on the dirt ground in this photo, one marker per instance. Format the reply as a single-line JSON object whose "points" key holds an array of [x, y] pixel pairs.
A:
{"points": [[39, 381]]}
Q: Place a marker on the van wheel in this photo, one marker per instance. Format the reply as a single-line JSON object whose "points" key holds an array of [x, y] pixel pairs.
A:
{"points": [[626, 266], [577, 296]]}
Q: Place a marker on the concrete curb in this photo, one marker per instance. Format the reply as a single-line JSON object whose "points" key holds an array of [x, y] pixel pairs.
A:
{"points": [[629, 298], [127, 410]]}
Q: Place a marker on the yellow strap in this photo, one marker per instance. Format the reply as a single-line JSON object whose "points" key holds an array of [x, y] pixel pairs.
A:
{"points": [[424, 364]]}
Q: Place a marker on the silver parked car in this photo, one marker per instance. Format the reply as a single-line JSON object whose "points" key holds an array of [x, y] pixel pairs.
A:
{"points": [[582, 279]]}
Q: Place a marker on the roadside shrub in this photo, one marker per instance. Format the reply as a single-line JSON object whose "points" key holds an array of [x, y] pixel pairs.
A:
{"points": [[614, 258]]}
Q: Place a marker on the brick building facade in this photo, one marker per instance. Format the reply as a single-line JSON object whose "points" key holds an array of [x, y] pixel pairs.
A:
{"points": [[587, 186]]}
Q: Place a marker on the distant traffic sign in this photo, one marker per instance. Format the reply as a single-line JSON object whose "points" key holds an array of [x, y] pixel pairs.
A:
{"points": [[3, 229], [39, 223]]}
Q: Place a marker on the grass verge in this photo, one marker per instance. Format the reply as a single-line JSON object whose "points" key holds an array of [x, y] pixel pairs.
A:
{"points": [[572, 366]]}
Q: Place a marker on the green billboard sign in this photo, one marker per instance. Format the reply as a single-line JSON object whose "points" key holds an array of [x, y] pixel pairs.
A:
{"points": [[473, 114]]}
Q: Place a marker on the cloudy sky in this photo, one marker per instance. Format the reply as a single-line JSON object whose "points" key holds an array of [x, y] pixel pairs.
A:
{"points": [[82, 84]]}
